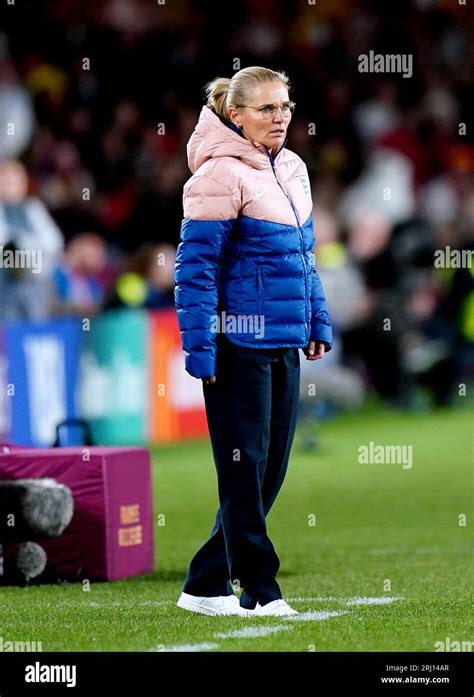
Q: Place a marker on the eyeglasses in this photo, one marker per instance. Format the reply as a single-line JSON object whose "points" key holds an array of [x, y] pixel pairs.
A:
{"points": [[268, 111]]}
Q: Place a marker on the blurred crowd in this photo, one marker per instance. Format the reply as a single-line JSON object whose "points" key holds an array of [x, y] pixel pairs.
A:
{"points": [[98, 100]]}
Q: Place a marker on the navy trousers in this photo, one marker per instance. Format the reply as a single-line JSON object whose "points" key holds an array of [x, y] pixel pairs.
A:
{"points": [[251, 414]]}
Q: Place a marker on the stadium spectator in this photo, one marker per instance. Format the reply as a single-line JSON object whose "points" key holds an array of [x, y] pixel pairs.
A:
{"points": [[17, 117], [77, 286], [26, 228], [147, 279]]}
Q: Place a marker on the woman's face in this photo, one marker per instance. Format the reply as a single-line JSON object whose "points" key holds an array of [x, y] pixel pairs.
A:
{"points": [[268, 131]]}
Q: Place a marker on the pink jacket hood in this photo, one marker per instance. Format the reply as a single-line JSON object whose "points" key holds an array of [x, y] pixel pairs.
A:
{"points": [[211, 138], [222, 162]]}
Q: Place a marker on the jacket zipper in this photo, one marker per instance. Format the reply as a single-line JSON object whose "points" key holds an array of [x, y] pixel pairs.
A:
{"points": [[260, 289], [306, 305]]}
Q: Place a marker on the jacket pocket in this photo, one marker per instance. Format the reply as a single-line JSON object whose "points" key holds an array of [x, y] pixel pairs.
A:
{"points": [[260, 289]]}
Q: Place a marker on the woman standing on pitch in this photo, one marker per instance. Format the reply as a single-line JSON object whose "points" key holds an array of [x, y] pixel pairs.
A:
{"points": [[248, 297]]}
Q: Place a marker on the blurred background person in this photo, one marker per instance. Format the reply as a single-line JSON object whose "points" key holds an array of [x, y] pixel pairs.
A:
{"points": [[25, 226], [146, 279], [336, 385], [77, 283], [17, 116]]}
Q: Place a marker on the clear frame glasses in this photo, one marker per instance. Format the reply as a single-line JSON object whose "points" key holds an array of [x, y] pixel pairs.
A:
{"points": [[268, 111]]}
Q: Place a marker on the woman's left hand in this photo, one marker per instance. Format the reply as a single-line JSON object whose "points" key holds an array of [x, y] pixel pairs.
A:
{"points": [[314, 351]]}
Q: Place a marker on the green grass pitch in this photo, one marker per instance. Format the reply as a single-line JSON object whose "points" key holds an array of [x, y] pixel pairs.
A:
{"points": [[386, 566]]}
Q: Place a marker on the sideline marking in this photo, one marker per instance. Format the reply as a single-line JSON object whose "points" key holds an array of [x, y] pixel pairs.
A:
{"points": [[384, 600], [251, 632], [204, 646], [357, 600], [316, 616]]}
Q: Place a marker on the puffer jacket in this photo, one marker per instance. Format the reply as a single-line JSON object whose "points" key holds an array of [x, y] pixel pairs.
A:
{"points": [[245, 263]]}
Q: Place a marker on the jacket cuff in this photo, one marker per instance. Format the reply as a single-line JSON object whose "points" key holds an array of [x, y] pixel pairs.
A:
{"points": [[200, 364], [323, 333]]}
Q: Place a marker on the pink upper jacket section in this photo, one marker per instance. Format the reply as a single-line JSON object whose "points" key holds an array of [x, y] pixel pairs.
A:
{"points": [[233, 176]]}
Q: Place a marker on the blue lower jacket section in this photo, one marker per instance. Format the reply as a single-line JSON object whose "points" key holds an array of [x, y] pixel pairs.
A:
{"points": [[256, 280]]}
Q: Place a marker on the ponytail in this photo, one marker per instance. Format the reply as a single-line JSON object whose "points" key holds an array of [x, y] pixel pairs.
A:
{"points": [[216, 92]]}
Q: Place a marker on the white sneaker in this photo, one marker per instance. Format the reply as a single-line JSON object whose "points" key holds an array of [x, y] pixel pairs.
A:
{"points": [[277, 608], [217, 605], [233, 599]]}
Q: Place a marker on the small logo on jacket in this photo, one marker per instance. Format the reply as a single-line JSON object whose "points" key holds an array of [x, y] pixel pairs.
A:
{"points": [[304, 181]]}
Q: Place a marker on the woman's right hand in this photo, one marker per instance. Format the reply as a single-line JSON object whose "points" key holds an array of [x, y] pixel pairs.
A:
{"points": [[211, 379]]}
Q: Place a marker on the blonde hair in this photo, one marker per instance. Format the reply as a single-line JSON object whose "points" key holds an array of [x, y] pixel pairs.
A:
{"points": [[223, 92]]}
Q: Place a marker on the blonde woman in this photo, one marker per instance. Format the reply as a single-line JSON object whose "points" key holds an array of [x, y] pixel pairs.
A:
{"points": [[248, 297]]}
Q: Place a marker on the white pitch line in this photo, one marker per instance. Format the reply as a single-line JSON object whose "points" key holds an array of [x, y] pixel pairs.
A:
{"points": [[384, 600], [251, 632], [316, 599], [204, 646], [357, 600], [316, 616]]}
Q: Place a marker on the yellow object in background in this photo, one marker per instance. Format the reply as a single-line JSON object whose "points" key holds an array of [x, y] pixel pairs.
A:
{"points": [[131, 289], [467, 315]]}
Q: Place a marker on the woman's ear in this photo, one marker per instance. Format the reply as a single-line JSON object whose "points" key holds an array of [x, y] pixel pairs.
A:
{"points": [[234, 117]]}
